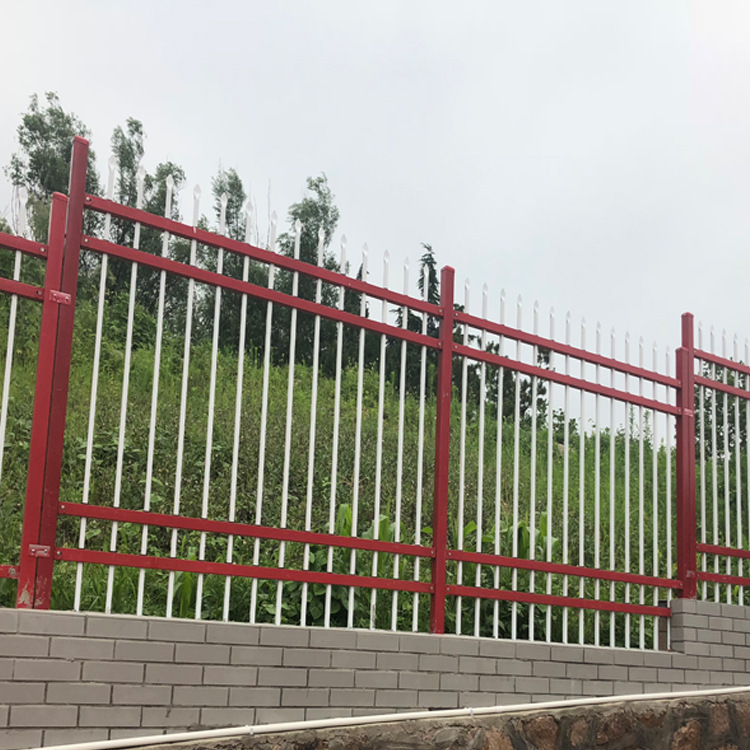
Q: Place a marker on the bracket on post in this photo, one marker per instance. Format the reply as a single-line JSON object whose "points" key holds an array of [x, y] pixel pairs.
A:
{"points": [[40, 550], [61, 298]]}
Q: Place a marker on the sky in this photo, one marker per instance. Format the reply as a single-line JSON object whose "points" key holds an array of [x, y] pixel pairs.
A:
{"points": [[589, 154]]}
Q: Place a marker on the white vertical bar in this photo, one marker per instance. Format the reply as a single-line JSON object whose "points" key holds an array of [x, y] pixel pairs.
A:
{"points": [[183, 397], [480, 463], [420, 449], [516, 467], [626, 519], [725, 454], [702, 441], [237, 411], [612, 528], [597, 485], [714, 467], [94, 388], [335, 443], [669, 510], [655, 498], [641, 497], [566, 478], [499, 468], [462, 461], [747, 443], [263, 422], [550, 456], [532, 483], [211, 405], [288, 425], [400, 449], [154, 394], [582, 488], [738, 469], [358, 439], [124, 402], [313, 424], [379, 444]]}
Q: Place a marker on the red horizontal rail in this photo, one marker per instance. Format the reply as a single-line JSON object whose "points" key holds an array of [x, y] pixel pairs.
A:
{"points": [[723, 387], [205, 237], [721, 578], [9, 286], [148, 518], [232, 569], [581, 354], [13, 242], [556, 377], [554, 600], [8, 571], [485, 558], [260, 292], [722, 361], [715, 549]]}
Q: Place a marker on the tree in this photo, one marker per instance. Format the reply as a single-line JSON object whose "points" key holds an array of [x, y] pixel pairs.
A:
{"points": [[42, 165]]}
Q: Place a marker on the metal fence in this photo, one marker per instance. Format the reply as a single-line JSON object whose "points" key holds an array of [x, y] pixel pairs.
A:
{"points": [[254, 437]]}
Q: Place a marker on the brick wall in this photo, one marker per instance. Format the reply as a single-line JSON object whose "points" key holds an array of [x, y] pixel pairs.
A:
{"points": [[80, 677]]}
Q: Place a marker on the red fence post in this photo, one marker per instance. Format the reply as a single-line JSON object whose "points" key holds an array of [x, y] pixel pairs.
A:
{"points": [[51, 394], [686, 516], [442, 451]]}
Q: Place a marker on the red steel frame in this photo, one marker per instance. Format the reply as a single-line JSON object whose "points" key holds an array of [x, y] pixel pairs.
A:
{"points": [[42, 500]]}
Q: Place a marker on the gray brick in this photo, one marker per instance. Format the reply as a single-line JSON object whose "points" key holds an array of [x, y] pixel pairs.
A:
{"points": [[459, 645], [612, 672], [709, 608], [497, 649], [721, 650], [21, 692], [74, 736], [114, 626], [720, 678], [565, 686], [4, 715], [43, 716], [684, 605], [34, 622], [692, 621], [170, 717], [581, 671], [741, 626], [459, 682], [335, 638], [548, 669], [23, 645], [477, 664], [733, 638], [132, 733], [352, 697], [282, 676], [174, 674], [215, 675], [142, 695], [200, 696], [533, 685], [109, 716], [311, 714], [598, 688], [284, 635], [741, 678], [354, 659], [279, 715], [683, 661], [595, 655], [436, 699], [642, 674], [6, 669], [418, 681], [234, 633], [143, 651], [709, 662], [227, 717], [533, 651], [629, 657], [396, 698], [514, 667], [733, 665], [256, 655], [82, 648], [720, 623], [430, 663], [111, 671], [80, 693], [304, 697], [734, 611], [398, 661], [10, 739], [675, 676], [201, 653], [338, 678], [376, 679], [497, 683], [176, 630], [306, 657], [627, 688], [706, 635], [46, 670], [476, 700], [8, 620], [419, 643], [563, 652], [253, 696], [375, 641]]}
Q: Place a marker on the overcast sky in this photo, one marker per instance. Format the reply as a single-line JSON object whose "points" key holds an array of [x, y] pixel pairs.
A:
{"points": [[592, 155]]}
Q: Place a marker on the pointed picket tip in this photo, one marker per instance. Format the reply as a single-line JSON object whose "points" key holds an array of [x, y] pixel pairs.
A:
{"points": [[274, 218], [170, 181], [386, 257], [298, 226], [343, 241], [321, 234], [141, 173], [406, 263], [112, 162], [536, 305], [502, 294], [197, 192], [485, 288], [248, 209], [224, 199]]}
